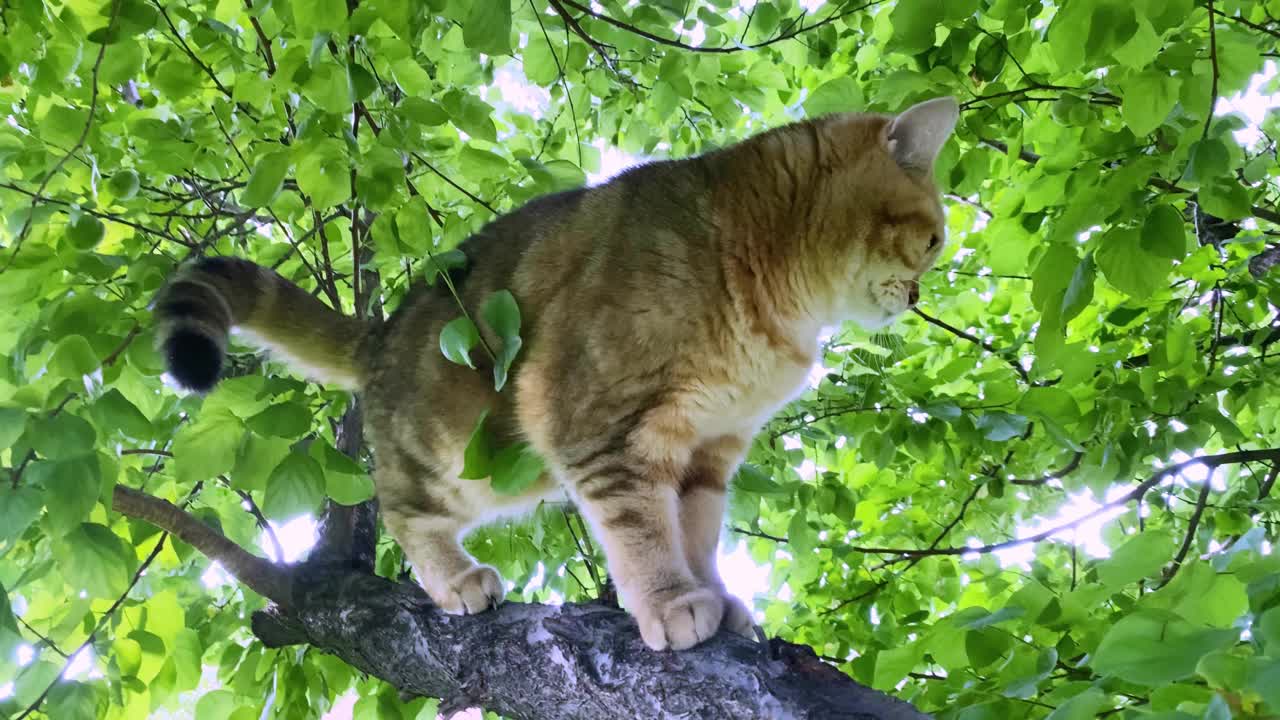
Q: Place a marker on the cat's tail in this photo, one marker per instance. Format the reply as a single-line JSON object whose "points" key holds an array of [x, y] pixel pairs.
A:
{"points": [[198, 307]]}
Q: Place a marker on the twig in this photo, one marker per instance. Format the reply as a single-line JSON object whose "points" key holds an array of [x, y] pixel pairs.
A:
{"points": [[1213, 59], [564, 82], [1066, 470], [1192, 526], [1022, 372], [263, 42], [587, 560], [456, 186], [44, 640], [572, 24]]}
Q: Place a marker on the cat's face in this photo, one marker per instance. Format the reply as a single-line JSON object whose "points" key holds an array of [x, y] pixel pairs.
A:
{"points": [[890, 227]]}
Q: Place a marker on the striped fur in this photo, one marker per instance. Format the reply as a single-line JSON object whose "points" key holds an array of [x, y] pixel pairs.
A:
{"points": [[667, 314], [196, 311]]}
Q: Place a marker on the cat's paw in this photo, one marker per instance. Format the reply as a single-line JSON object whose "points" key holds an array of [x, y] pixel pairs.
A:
{"points": [[682, 621], [737, 617], [473, 591]]}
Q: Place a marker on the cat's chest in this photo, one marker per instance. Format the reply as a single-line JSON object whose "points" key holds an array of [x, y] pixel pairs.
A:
{"points": [[745, 394]]}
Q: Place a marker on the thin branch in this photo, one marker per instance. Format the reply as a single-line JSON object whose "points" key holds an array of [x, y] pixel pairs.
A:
{"points": [[1066, 470], [1269, 482], [84, 135], [1213, 59], [723, 49], [1192, 526], [456, 186], [1017, 367], [263, 43], [44, 640], [572, 24]]}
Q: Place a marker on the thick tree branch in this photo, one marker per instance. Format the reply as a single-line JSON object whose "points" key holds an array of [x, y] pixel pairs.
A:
{"points": [[271, 581], [527, 662], [573, 662]]}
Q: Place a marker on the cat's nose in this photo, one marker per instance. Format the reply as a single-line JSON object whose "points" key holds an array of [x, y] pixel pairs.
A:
{"points": [[913, 293]]}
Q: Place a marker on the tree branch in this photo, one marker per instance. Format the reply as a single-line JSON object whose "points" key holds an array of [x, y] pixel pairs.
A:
{"points": [[572, 662], [269, 580]]}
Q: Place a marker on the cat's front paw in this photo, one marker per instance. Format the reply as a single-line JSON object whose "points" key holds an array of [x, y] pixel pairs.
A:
{"points": [[473, 591], [682, 621]]}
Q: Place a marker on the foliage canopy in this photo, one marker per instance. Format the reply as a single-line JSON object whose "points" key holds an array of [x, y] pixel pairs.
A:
{"points": [[1106, 310]]}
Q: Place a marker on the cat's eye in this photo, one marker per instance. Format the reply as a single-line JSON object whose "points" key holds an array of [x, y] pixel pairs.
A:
{"points": [[934, 242]]}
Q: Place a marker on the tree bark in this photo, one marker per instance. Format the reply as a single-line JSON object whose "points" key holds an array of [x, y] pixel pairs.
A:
{"points": [[568, 662]]}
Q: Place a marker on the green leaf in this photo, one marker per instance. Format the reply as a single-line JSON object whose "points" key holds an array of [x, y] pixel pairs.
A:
{"points": [[217, 704], [915, 22], [1269, 630], [1153, 648], [266, 180], [93, 559], [893, 664], [1148, 97], [73, 357], [457, 339], [477, 462], [843, 94], [113, 410], [1000, 426], [1207, 160], [487, 28], [515, 469], [286, 420], [85, 232], [13, 421], [63, 436], [206, 448], [73, 701], [19, 507], [750, 478], [1225, 199], [1129, 267], [1080, 291], [323, 173], [75, 484], [297, 486], [124, 184], [502, 314], [1164, 234], [1142, 556], [1084, 706]]}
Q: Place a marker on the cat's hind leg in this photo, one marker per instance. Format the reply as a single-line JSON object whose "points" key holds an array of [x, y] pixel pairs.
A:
{"points": [[702, 503], [428, 522]]}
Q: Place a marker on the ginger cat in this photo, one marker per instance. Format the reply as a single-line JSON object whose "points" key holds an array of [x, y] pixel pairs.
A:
{"points": [[667, 314]]}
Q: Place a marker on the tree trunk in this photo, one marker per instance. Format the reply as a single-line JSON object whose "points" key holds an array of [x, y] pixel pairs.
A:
{"points": [[569, 662]]}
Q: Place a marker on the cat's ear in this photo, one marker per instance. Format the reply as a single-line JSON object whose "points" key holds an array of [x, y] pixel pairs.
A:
{"points": [[917, 135]]}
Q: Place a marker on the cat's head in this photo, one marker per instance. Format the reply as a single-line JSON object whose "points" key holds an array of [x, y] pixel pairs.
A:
{"points": [[884, 225]]}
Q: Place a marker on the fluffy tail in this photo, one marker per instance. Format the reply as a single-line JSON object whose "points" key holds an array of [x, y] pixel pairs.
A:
{"points": [[197, 309]]}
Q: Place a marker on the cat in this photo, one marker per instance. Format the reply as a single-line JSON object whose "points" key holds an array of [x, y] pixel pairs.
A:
{"points": [[668, 313]]}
